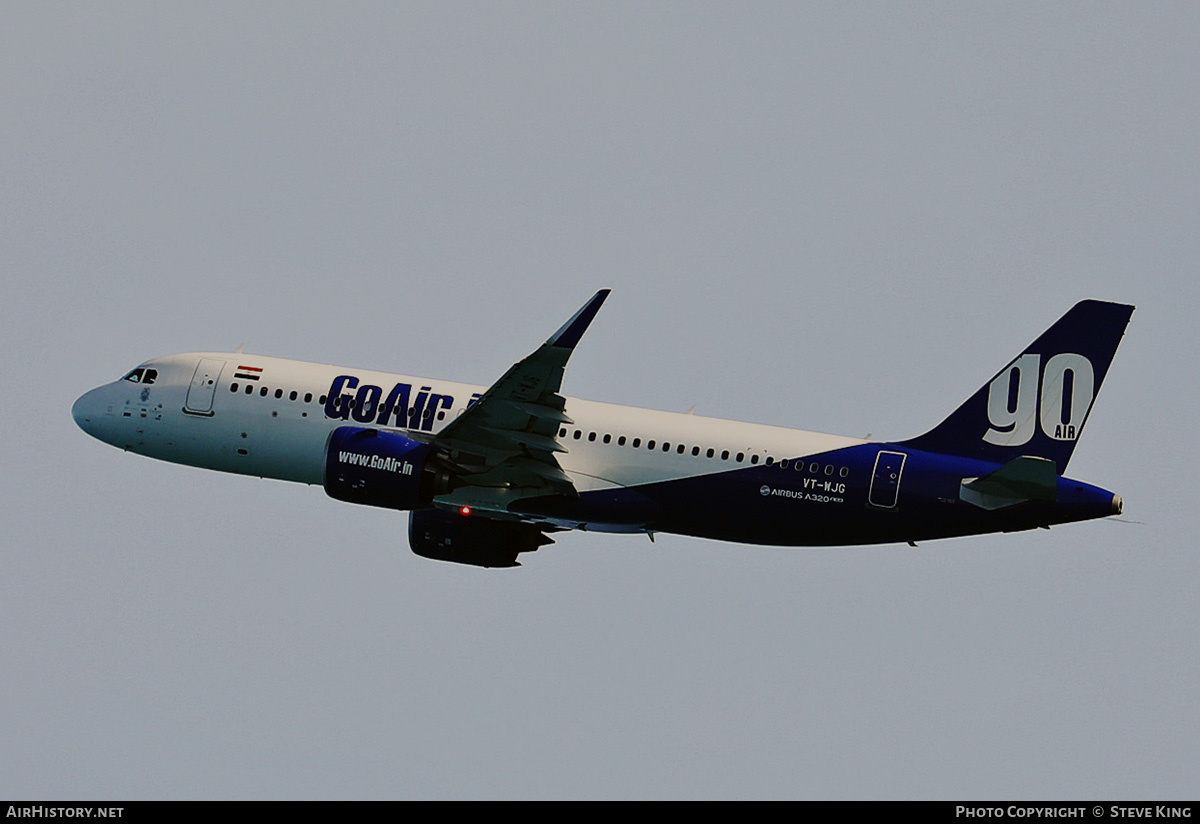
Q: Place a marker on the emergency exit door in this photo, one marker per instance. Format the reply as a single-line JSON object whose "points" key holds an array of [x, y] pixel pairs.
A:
{"points": [[885, 480]]}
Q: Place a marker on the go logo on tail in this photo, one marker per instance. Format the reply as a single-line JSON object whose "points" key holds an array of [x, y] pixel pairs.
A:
{"points": [[1067, 388]]}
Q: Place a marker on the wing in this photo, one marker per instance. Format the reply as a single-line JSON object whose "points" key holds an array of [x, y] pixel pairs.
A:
{"points": [[502, 448]]}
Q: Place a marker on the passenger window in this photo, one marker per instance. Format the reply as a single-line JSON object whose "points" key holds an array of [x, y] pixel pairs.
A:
{"points": [[562, 433], [591, 436], [845, 470], [637, 442], [249, 389], [813, 467], [741, 456], [308, 397], [829, 469], [710, 453], [621, 441], [608, 438], [649, 444], [292, 395], [666, 446], [279, 393], [725, 455], [680, 449], [770, 460], [263, 392], [783, 463], [753, 459], [233, 387]]}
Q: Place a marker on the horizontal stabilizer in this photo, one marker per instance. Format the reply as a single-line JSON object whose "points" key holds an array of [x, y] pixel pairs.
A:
{"points": [[1022, 479]]}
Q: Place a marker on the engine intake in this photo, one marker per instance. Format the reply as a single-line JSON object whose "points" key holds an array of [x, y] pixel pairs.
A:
{"points": [[379, 468]]}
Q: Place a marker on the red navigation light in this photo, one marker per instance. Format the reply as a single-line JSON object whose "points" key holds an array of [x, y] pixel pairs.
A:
{"points": [[466, 510]]}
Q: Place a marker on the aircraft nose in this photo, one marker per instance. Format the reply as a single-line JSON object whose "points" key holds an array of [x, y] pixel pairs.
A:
{"points": [[85, 411]]}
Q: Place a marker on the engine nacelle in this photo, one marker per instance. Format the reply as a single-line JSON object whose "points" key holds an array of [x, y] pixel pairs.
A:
{"points": [[379, 468], [450, 536]]}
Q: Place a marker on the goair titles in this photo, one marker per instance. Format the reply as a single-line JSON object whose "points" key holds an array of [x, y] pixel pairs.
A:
{"points": [[1067, 388], [400, 407]]}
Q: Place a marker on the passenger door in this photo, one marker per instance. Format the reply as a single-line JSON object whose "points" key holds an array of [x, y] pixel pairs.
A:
{"points": [[204, 387]]}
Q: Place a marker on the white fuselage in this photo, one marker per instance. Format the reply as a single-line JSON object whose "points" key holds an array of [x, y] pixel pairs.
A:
{"points": [[275, 424]]}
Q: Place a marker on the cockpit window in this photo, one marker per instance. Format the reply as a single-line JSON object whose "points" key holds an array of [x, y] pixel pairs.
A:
{"points": [[142, 375]]}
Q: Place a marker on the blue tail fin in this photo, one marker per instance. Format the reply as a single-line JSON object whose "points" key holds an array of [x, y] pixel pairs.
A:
{"points": [[1038, 404]]}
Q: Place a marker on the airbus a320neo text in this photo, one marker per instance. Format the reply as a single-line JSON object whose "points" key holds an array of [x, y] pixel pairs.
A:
{"points": [[488, 473]]}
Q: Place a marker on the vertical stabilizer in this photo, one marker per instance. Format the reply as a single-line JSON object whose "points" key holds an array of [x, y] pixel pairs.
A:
{"points": [[1037, 404]]}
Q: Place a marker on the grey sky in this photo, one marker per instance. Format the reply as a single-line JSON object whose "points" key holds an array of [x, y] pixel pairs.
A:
{"points": [[841, 217]]}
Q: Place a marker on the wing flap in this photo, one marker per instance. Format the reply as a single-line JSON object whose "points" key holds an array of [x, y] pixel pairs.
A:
{"points": [[535, 440], [541, 412]]}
